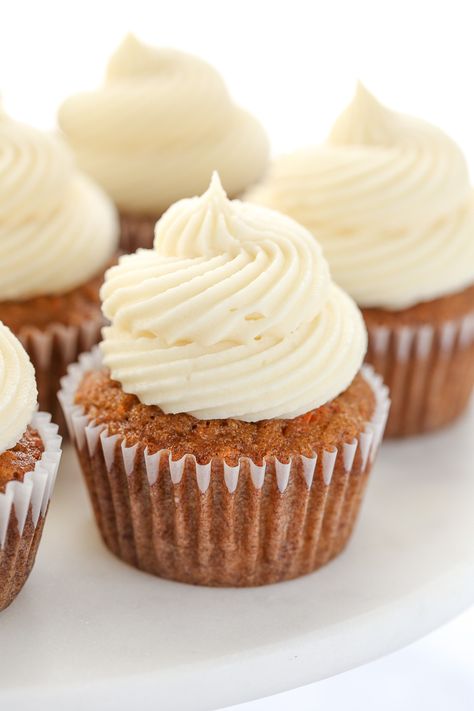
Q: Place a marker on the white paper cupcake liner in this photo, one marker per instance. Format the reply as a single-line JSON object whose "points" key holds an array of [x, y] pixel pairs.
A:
{"points": [[428, 369], [211, 523], [52, 350], [23, 507]]}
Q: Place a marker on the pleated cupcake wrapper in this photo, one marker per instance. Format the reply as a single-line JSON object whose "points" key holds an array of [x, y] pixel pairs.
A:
{"points": [[428, 369], [136, 232], [23, 507], [51, 351], [214, 523]]}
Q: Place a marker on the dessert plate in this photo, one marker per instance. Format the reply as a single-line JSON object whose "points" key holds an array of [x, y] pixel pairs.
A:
{"points": [[87, 629]]}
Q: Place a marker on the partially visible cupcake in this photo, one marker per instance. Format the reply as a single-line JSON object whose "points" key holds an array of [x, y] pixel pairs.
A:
{"points": [[30, 449], [155, 131], [58, 233], [227, 435], [389, 199]]}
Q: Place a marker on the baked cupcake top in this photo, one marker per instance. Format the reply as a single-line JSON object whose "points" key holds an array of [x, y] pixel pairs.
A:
{"points": [[388, 197], [232, 314], [18, 394], [57, 229], [159, 126]]}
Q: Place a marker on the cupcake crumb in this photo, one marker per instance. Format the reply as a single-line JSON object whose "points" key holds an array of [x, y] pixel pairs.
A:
{"points": [[336, 422]]}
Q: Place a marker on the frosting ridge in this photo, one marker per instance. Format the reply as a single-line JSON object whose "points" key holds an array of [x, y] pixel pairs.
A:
{"points": [[57, 229], [388, 197], [159, 126], [232, 314], [18, 393]]}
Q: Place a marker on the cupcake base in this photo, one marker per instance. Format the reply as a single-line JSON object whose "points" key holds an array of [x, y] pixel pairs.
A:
{"points": [[425, 354], [23, 508], [17, 558], [137, 232], [251, 536], [54, 330], [215, 524]]}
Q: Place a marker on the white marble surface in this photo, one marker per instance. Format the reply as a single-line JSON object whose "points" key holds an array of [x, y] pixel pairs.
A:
{"points": [[104, 632], [435, 673]]}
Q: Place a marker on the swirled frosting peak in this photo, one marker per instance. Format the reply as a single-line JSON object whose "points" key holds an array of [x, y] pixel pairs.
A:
{"points": [[18, 392], [57, 229], [388, 196], [232, 314], [365, 122], [159, 126]]}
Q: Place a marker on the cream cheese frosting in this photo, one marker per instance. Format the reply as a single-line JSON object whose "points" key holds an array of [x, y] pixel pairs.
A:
{"points": [[232, 314], [57, 229], [159, 126], [18, 394], [389, 199]]}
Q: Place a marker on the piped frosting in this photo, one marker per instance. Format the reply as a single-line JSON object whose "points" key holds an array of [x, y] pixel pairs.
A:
{"points": [[159, 126], [18, 393], [389, 199], [232, 314], [57, 229]]}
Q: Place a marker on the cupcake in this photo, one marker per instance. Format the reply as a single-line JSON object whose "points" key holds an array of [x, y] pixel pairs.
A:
{"points": [[225, 428], [58, 232], [389, 199], [29, 459], [155, 131]]}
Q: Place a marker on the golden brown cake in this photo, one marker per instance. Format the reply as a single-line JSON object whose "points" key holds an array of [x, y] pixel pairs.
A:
{"points": [[21, 458], [343, 419], [136, 231]]}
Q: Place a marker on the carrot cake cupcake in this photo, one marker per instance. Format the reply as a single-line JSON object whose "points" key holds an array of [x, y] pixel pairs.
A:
{"points": [[225, 428], [154, 132], [29, 459], [58, 232], [389, 199]]}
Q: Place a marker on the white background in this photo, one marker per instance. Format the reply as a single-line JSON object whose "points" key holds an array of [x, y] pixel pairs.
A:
{"points": [[294, 64], [435, 674]]}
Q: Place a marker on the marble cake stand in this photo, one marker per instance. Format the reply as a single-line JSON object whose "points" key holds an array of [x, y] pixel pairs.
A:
{"points": [[88, 631]]}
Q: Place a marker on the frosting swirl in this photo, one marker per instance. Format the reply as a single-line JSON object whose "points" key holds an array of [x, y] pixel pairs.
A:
{"points": [[18, 392], [162, 122], [57, 229], [232, 315], [389, 199]]}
